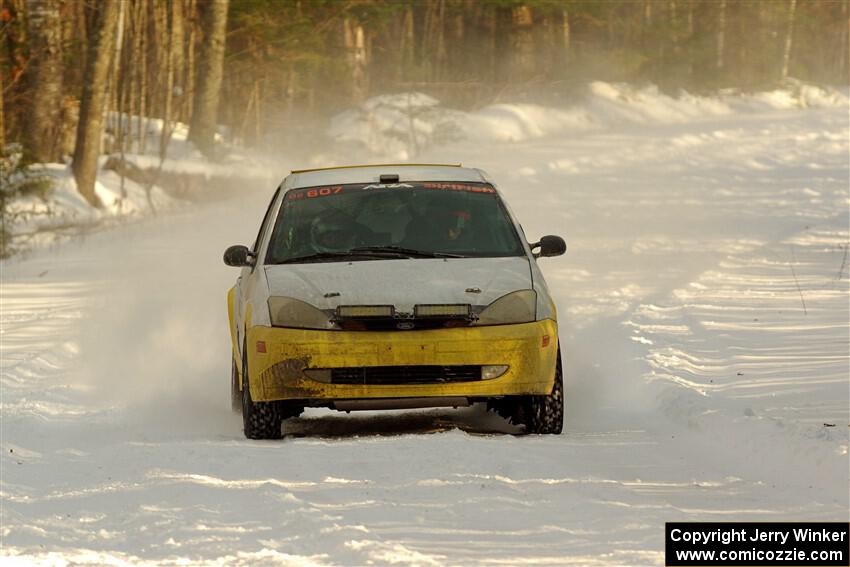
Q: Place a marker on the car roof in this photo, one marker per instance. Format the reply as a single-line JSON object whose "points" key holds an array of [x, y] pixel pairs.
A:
{"points": [[372, 173]]}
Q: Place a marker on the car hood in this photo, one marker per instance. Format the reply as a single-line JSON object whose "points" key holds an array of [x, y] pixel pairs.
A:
{"points": [[400, 282]]}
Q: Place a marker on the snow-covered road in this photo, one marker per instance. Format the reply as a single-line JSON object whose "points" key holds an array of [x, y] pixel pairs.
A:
{"points": [[705, 327]]}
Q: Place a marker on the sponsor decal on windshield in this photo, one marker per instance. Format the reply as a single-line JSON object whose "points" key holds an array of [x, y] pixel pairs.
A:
{"points": [[313, 192], [459, 187], [388, 186], [328, 190]]}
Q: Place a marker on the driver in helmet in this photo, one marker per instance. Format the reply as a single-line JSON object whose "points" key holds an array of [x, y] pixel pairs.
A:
{"points": [[332, 234]]}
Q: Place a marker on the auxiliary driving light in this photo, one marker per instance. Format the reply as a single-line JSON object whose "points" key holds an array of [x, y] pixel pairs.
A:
{"points": [[490, 372], [364, 311], [459, 310]]}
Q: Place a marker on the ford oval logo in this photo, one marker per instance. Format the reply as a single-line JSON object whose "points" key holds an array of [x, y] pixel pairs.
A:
{"points": [[404, 325]]}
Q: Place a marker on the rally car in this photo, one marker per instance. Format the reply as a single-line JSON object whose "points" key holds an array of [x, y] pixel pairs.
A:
{"points": [[389, 287]]}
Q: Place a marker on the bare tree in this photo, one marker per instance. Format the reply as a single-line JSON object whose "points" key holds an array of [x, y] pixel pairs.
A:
{"points": [[2, 121], [407, 47], [356, 55], [41, 126], [90, 126], [210, 70], [177, 45], [789, 35], [189, 12], [721, 35], [173, 59], [522, 64], [844, 57]]}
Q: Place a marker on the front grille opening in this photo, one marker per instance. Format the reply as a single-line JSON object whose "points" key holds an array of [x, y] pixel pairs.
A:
{"points": [[400, 324], [373, 375]]}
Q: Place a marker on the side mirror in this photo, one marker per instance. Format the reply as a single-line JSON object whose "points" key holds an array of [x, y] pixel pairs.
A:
{"points": [[238, 256], [550, 246]]}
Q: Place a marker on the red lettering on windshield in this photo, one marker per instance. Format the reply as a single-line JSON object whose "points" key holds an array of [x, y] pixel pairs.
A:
{"points": [[313, 192], [459, 187]]}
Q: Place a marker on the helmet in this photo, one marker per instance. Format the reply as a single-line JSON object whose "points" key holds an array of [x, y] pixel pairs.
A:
{"points": [[331, 234]]}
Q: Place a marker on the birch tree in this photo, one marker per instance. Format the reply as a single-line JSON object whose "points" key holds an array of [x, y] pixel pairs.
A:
{"points": [[789, 35]]}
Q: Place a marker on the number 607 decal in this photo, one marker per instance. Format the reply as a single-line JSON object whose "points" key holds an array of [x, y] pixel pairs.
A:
{"points": [[314, 192]]}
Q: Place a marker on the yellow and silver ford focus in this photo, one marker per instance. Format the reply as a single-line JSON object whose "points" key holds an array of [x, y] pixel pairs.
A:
{"points": [[388, 287]]}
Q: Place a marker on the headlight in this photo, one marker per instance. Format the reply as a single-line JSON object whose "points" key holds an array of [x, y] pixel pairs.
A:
{"points": [[516, 307], [289, 312]]}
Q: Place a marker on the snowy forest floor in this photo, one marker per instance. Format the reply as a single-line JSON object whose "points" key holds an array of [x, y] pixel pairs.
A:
{"points": [[704, 323]]}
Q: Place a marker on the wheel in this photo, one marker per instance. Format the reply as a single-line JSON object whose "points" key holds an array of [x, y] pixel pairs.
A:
{"points": [[260, 420], [545, 414], [235, 393]]}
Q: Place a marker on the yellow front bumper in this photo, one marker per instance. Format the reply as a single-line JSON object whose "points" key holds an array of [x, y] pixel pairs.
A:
{"points": [[278, 373]]}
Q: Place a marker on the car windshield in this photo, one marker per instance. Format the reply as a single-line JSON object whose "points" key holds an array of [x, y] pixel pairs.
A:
{"points": [[398, 220]]}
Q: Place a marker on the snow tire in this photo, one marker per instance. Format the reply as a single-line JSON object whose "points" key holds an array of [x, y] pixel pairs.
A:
{"points": [[260, 420], [545, 414]]}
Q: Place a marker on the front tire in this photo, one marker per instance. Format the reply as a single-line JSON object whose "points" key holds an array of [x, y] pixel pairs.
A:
{"points": [[260, 420], [545, 414]]}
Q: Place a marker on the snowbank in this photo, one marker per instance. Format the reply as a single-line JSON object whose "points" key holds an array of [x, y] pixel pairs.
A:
{"points": [[36, 220], [181, 155], [396, 125], [401, 126], [149, 184]]}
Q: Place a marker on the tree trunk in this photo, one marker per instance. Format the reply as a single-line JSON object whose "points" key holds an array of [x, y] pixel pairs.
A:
{"points": [[440, 31], [789, 35], [843, 62], [407, 46], [523, 66], [41, 127], [459, 39], [189, 76], [114, 82], [141, 123], [90, 126], [175, 43], [124, 74], [132, 71], [691, 49], [210, 71], [502, 50], [721, 35], [81, 31], [178, 37], [355, 46], [2, 120]]}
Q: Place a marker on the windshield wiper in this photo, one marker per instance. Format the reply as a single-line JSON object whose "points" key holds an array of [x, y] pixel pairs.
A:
{"points": [[404, 252], [331, 256], [374, 252]]}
